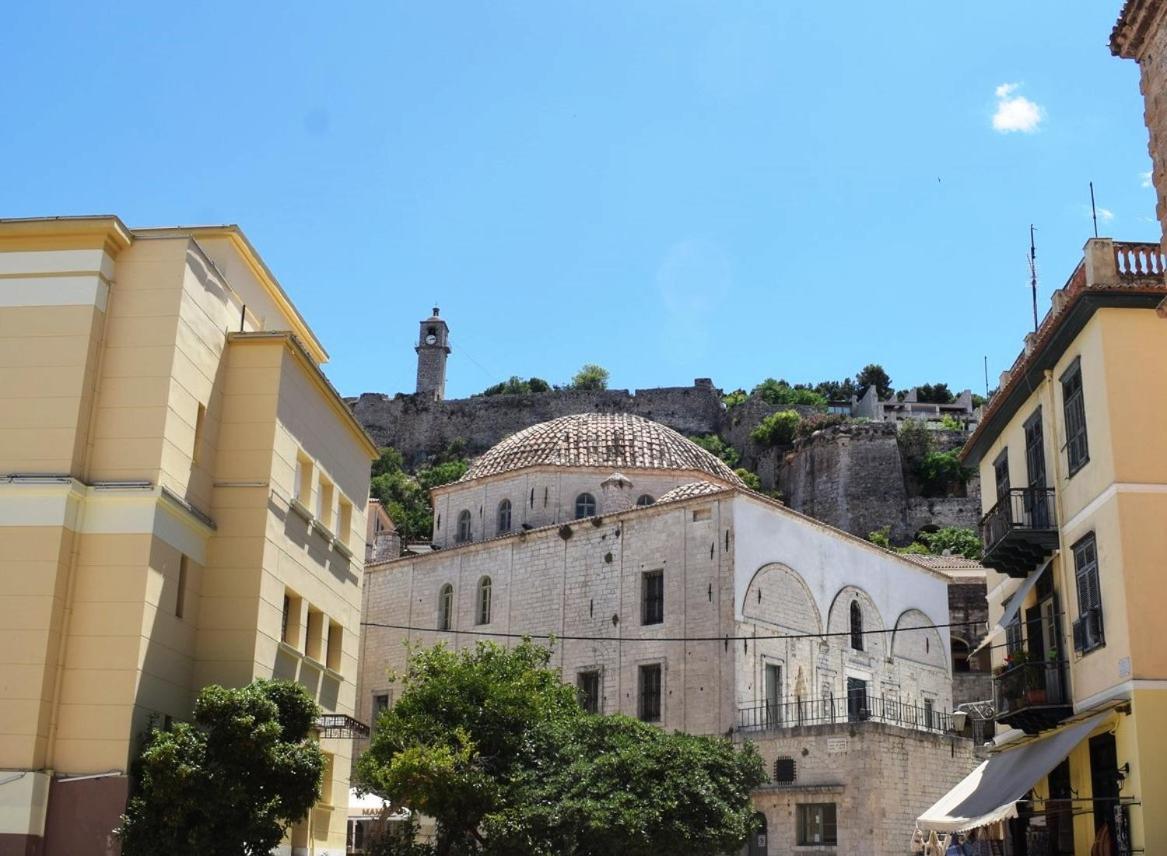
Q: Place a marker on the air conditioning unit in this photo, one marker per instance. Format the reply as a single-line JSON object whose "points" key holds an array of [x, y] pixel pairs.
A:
{"points": [[1088, 630]]}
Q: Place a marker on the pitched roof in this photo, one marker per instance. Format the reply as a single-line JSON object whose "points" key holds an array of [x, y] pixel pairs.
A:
{"points": [[616, 441], [690, 490]]}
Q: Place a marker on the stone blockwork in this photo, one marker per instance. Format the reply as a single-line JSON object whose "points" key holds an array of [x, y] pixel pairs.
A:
{"points": [[418, 426], [879, 778], [1141, 35], [853, 477]]}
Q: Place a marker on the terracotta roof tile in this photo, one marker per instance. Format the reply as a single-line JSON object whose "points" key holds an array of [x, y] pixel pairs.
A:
{"points": [[611, 440]]}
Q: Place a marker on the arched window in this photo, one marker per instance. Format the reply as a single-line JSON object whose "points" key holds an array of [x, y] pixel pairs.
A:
{"points": [[463, 527], [644, 500], [585, 505], [856, 626], [960, 659], [483, 610], [445, 607], [504, 517]]}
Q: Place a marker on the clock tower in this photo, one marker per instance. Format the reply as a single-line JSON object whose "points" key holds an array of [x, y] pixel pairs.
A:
{"points": [[433, 346]]}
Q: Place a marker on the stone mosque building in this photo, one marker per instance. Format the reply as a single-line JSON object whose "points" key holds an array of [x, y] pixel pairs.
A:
{"points": [[681, 597]]}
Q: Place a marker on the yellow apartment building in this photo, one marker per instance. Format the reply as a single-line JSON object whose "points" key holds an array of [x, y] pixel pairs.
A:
{"points": [[1072, 453], [182, 502]]}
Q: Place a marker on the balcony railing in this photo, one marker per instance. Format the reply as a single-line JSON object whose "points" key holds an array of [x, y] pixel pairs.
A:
{"points": [[1020, 531], [777, 715], [1032, 695]]}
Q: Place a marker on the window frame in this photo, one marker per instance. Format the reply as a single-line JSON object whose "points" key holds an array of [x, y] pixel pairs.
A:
{"points": [[464, 533], [1001, 467], [855, 624], [585, 505], [645, 500], [482, 600], [827, 821], [591, 702], [446, 607], [503, 517], [1074, 410], [1088, 585], [650, 699], [652, 597]]}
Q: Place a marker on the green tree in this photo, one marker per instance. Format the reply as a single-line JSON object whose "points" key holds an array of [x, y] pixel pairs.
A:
{"points": [[516, 385], [873, 374], [715, 445], [777, 429], [938, 471], [591, 377], [232, 781], [952, 540], [935, 393], [406, 497], [492, 745], [836, 390], [780, 392], [735, 398]]}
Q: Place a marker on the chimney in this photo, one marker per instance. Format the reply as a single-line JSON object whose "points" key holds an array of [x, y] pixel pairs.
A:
{"points": [[616, 494]]}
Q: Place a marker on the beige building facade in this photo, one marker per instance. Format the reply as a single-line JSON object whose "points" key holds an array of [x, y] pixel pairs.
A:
{"points": [[182, 502], [675, 595], [1074, 489]]}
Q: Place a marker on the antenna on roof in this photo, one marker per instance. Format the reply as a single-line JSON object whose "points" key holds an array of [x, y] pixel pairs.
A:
{"points": [[986, 376], [1093, 210], [1033, 274]]}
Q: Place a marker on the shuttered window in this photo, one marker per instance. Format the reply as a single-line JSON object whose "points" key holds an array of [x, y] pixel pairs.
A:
{"points": [[1077, 449]]}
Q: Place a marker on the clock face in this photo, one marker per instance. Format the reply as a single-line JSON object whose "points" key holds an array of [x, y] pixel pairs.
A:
{"points": [[431, 339]]}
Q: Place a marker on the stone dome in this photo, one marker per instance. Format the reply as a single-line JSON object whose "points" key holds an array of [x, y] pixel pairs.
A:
{"points": [[614, 441], [690, 490]]}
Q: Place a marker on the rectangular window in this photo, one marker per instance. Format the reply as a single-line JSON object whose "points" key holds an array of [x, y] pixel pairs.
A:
{"points": [[180, 595], [380, 705], [652, 597], [293, 605], [929, 713], [650, 693], [857, 709], [1034, 451], [1077, 449], [335, 640], [303, 479], [315, 634], [344, 522], [324, 503], [1001, 473], [588, 685], [200, 418], [1014, 640], [1088, 628], [816, 824]]}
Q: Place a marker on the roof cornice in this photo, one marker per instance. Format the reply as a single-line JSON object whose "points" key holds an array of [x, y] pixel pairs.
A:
{"points": [[1135, 21], [100, 230]]}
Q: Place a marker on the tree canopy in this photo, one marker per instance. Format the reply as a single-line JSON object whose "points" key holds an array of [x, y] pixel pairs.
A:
{"points": [[780, 392], [406, 497], [516, 385], [492, 745], [873, 374], [232, 781], [590, 376], [935, 393]]}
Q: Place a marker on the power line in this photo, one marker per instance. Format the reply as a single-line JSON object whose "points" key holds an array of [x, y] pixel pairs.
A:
{"points": [[573, 638]]}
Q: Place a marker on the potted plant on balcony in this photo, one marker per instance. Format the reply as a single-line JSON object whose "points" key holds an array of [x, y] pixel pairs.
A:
{"points": [[1035, 678]]}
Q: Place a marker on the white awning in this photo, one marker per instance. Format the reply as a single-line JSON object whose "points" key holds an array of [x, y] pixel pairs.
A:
{"points": [[1014, 607], [990, 792]]}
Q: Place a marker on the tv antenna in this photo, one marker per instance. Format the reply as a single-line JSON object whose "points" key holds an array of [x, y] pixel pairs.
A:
{"points": [[1033, 273], [1093, 210]]}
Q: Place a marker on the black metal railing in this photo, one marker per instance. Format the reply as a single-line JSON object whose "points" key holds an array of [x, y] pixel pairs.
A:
{"points": [[1030, 684], [1028, 508], [777, 715]]}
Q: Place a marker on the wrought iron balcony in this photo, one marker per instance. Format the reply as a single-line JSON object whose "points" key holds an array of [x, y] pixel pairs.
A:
{"points": [[1021, 531], [856, 708], [1032, 695]]}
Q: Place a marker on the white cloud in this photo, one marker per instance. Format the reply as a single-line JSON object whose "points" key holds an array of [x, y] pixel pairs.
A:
{"points": [[1015, 112], [1105, 215], [1146, 177]]}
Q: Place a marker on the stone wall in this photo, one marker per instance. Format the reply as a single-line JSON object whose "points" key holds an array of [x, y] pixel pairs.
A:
{"points": [[879, 777], [854, 476], [417, 426]]}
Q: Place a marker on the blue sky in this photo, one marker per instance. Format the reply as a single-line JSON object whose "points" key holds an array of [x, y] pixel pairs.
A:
{"points": [[670, 189]]}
